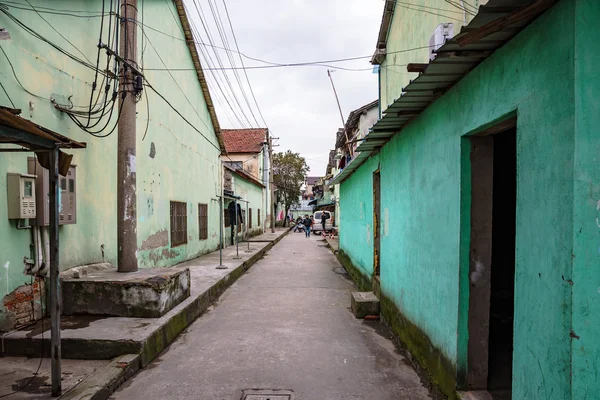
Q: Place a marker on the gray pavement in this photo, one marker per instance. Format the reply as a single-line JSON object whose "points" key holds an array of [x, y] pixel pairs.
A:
{"points": [[285, 324]]}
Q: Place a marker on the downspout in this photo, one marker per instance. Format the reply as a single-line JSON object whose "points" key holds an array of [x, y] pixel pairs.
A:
{"points": [[46, 253], [462, 4]]}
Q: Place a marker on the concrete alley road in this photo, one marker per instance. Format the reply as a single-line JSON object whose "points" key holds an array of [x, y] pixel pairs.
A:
{"points": [[285, 324]]}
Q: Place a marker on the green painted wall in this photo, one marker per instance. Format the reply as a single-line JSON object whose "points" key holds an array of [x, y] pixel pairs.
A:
{"points": [[356, 206], [411, 29], [174, 162], [586, 207], [252, 193], [424, 213]]}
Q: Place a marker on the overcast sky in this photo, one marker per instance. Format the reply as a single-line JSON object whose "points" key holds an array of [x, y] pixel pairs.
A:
{"points": [[298, 103]]}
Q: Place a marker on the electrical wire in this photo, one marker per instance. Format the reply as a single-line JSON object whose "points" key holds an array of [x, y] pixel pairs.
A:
{"points": [[224, 39], [429, 12], [49, 10], [216, 77], [181, 115], [5, 92], [204, 22], [42, 38]]}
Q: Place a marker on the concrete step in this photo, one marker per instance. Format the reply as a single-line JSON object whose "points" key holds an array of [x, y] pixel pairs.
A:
{"points": [[146, 293], [103, 382], [104, 338], [364, 304]]}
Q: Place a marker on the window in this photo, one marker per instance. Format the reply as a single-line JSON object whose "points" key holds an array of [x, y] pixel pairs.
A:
{"points": [[226, 218], [259, 220], [203, 221], [178, 223], [250, 218]]}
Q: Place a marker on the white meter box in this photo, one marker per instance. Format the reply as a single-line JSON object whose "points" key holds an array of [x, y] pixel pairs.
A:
{"points": [[21, 195]]}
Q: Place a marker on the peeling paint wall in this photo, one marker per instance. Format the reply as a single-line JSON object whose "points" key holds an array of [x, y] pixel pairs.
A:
{"points": [[423, 197], [174, 162]]}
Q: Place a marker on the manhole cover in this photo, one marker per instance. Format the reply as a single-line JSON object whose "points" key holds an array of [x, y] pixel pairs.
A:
{"points": [[267, 395]]}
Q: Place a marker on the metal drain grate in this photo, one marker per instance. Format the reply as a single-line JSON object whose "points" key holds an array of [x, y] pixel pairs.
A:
{"points": [[267, 394]]}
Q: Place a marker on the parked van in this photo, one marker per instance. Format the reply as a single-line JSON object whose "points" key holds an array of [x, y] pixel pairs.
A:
{"points": [[317, 227]]}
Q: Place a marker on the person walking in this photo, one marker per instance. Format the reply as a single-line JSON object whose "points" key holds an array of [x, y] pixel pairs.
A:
{"points": [[307, 225], [324, 218]]}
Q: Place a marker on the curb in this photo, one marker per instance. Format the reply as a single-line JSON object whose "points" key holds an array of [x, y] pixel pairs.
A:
{"points": [[102, 383]]}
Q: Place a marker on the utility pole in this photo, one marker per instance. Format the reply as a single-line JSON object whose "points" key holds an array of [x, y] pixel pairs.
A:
{"points": [[271, 184], [126, 143], [340, 108]]}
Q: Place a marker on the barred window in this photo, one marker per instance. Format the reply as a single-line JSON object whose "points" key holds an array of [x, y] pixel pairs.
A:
{"points": [[203, 221], [259, 220], [178, 223], [250, 218]]}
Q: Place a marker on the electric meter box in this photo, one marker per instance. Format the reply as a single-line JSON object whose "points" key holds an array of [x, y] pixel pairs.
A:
{"points": [[67, 186], [21, 196]]}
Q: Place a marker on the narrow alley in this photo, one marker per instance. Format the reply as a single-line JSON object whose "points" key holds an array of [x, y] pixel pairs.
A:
{"points": [[285, 324]]}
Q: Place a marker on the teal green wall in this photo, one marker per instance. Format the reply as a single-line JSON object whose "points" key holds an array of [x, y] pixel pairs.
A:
{"points": [[586, 207], [356, 204], [184, 167], [422, 175]]}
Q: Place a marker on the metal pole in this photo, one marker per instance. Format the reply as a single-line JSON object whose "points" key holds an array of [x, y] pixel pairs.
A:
{"points": [[126, 146], [235, 230], [341, 114], [55, 352], [247, 233], [221, 266], [272, 185]]}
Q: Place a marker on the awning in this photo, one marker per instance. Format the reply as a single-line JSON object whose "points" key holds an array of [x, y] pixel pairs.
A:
{"points": [[494, 25], [22, 132]]}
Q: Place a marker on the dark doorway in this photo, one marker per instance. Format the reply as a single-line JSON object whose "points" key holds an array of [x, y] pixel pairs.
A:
{"points": [[502, 297], [492, 260], [376, 221]]}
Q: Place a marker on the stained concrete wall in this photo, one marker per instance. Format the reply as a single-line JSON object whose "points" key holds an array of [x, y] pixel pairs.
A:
{"points": [[424, 257], [174, 162]]}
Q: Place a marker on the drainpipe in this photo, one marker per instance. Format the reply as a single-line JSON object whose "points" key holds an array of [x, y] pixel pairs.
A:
{"points": [[46, 252], [462, 4]]}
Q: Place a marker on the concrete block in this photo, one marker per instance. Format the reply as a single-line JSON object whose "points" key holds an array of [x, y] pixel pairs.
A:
{"points": [[364, 303], [148, 293]]}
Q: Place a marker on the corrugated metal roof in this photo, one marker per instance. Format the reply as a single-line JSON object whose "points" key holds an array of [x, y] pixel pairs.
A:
{"points": [[495, 24]]}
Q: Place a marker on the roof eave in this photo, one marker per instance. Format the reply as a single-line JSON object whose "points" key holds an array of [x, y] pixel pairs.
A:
{"points": [[189, 40]]}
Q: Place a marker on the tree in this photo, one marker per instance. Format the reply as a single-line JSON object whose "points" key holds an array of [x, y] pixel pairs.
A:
{"points": [[289, 172]]}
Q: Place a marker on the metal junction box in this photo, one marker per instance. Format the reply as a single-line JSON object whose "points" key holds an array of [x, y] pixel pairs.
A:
{"points": [[67, 213], [20, 196]]}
